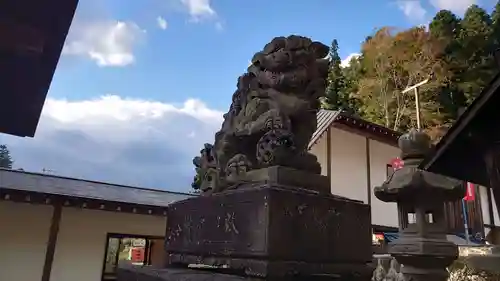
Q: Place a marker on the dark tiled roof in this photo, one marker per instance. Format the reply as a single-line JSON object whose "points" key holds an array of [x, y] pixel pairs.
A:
{"points": [[327, 118], [54, 185]]}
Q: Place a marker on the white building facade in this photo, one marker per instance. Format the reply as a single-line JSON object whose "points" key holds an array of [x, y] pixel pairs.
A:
{"points": [[489, 215], [355, 155], [61, 229]]}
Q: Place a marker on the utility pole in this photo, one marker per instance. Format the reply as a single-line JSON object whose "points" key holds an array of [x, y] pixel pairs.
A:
{"points": [[417, 99]]}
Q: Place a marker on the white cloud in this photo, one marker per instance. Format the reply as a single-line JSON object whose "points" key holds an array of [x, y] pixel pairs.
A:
{"points": [[199, 9], [162, 23], [412, 9], [108, 43], [456, 6], [127, 141], [345, 62]]}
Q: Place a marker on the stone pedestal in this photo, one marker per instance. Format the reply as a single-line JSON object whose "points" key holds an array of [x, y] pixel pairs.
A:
{"points": [[267, 230], [483, 257], [137, 273], [264, 229]]}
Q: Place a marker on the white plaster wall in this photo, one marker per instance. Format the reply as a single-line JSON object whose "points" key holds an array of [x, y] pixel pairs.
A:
{"points": [[349, 171], [349, 174], [319, 149], [24, 231], [380, 154], [495, 212], [483, 195], [82, 238]]}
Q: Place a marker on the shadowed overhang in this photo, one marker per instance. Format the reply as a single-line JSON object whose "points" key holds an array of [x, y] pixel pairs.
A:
{"points": [[459, 154], [32, 35]]}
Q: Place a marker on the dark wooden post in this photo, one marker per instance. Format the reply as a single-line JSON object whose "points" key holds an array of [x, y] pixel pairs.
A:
{"points": [[52, 242]]}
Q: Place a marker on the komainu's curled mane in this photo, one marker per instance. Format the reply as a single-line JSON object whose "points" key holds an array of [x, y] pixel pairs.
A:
{"points": [[272, 115]]}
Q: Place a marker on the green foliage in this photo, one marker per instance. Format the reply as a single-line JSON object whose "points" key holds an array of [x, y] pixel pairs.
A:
{"points": [[333, 98], [340, 84], [495, 25], [392, 61], [476, 52], [446, 27], [457, 53], [5, 158]]}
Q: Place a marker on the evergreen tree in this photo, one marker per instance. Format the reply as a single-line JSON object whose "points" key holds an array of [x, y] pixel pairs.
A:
{"points": [[476, 44], [333, 99], [352, 74], [495, 24], [5, 158], [445, 27], [337, 96]]}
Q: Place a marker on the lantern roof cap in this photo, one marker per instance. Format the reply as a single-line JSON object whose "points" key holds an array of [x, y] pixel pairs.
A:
{"points": [[414, 144], [410, 183]]}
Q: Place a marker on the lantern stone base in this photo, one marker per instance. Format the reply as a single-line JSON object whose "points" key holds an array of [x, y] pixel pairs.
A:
{"points": [[424, 258], [414, 247]]}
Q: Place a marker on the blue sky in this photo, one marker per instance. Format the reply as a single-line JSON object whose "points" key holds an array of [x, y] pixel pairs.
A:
{"points": [[201, 56], [141, 85]]}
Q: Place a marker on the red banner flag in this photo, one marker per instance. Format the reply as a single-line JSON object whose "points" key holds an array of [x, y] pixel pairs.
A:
{"points": [[469, 192], [397, 163]]}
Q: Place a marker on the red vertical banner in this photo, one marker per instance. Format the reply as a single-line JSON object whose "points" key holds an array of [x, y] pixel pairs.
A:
{"points": [[469, 192]]}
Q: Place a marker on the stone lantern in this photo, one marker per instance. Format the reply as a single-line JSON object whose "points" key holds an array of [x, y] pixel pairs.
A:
{"points": [[422, 247]]}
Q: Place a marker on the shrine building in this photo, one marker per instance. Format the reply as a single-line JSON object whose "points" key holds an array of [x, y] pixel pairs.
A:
{"points": [[58, 229], [356, 155]]}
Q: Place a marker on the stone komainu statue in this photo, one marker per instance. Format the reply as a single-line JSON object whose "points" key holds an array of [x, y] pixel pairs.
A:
{"points": [[272, 115]]}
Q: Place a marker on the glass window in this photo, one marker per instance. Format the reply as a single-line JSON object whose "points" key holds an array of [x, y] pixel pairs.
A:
{"points": [[128, 248]]}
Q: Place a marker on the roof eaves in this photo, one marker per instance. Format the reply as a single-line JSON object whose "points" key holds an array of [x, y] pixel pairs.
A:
{"points": [[369, 128], [94, 182], [325, 120], [462, 122]]}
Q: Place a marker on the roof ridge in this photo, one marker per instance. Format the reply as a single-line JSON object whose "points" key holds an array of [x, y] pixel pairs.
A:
{"points": [[327, 117], [94, 181]]}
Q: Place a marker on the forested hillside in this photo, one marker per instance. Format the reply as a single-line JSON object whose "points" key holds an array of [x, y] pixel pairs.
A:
{"points": [[456, 53]]}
